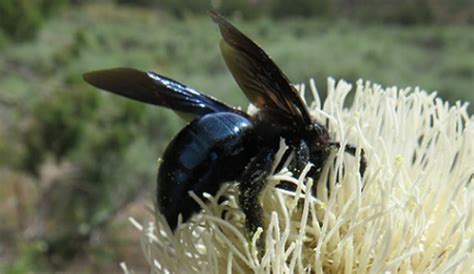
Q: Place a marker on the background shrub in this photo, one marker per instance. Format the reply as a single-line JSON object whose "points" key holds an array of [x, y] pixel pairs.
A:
{"points": [[20, 19]]}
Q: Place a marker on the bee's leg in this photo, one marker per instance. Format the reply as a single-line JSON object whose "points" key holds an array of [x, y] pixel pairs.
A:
{"points": [[252, 183], [300, 160], [351, 149]]}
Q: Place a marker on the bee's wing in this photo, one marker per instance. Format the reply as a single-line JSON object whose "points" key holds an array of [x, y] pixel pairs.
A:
{"points": [[258, 76], [152, 88]]}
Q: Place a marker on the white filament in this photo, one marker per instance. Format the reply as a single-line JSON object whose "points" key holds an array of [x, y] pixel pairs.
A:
{"points": [[414, 214]]}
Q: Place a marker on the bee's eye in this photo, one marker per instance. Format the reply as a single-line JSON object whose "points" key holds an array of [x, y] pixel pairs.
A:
{"points": [[317, 129]]}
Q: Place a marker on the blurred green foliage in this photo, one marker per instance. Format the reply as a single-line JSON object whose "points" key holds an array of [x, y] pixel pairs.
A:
{"points": [[27, 261], [143, 3], [21, 19], [57, 127], [48, 114], [395, 11]]}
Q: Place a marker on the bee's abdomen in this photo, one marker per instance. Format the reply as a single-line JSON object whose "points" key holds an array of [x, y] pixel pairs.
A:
{"points": [[209, 151]]}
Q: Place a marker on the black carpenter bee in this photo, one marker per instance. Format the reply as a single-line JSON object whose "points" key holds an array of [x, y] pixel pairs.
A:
{"points": [[221, 143]]}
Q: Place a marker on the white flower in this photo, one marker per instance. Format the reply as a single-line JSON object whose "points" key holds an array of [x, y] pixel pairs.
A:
{"points": [[412, 211]]}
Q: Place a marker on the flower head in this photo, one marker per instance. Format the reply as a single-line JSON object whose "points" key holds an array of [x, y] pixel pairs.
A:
{"points": [[411, 212]]}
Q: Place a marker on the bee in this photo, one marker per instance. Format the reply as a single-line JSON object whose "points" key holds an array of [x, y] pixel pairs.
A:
{"points": [[222, 143]]}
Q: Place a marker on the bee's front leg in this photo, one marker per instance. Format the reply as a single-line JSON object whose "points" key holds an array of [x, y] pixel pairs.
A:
{"points": [[298, 163], [252, 183], [301, 158]]}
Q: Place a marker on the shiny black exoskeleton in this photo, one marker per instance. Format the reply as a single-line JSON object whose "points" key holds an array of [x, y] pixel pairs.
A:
{"points": [[222, 143], [209, 151]]}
